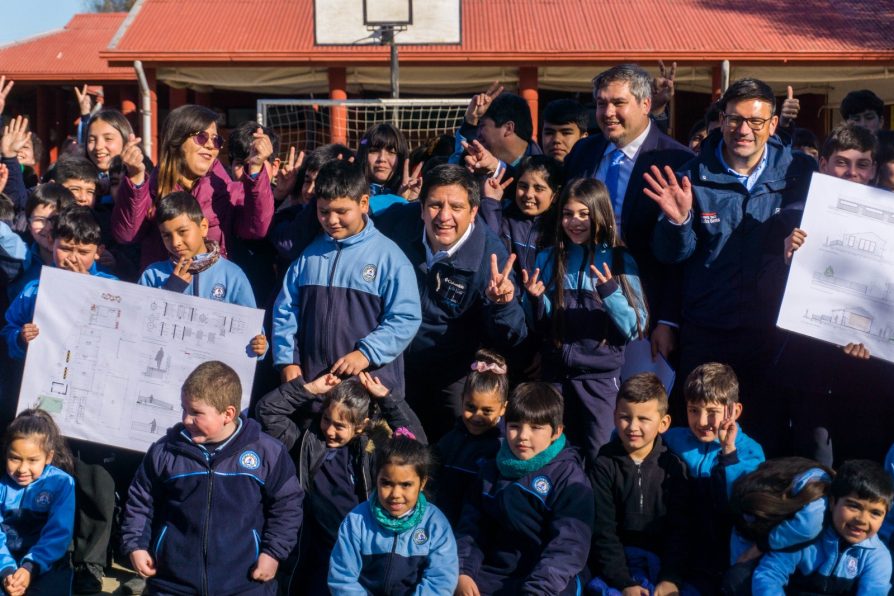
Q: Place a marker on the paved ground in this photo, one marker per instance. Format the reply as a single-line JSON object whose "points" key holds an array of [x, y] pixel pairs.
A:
{"points": [[114, 578]]}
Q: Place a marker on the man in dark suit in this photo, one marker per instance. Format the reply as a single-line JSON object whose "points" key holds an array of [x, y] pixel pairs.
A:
{"points": [[629, 144]]}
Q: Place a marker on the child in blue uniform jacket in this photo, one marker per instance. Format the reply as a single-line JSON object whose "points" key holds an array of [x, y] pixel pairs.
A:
{"points": [[475, 438], [350, 301], [196, 267], [331, 428], [216, 504], [848, 557], [588, 301], [37, 504], [396, 543], [716, 452], [527, 528], [77, 243]]}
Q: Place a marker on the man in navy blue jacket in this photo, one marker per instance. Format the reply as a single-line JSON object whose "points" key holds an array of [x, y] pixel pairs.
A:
{"points": [[623, 96], [714, 222], [466, 286]]}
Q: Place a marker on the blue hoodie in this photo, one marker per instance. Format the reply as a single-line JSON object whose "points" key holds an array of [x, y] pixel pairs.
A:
{"points": [[368, 559], [359, 293], [36, 521], [223, 281], [828, 565]]}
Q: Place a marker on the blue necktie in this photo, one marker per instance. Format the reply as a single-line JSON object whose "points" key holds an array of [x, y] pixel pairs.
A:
{"points": [[612, 177]]}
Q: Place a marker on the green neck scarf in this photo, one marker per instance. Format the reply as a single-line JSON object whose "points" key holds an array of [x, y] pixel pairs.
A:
{"points": [[513, 468], [398, 525]]}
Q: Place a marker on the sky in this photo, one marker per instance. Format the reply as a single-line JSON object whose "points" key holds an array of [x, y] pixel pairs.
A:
{"points": [[27, 18]]}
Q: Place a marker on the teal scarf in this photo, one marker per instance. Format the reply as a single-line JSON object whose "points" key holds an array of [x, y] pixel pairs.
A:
{"points": [[513, 468], [397, 524]]}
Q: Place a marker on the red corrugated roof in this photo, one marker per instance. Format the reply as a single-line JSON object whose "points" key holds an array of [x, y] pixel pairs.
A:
{"points": [[70, 54], [532, 31]]}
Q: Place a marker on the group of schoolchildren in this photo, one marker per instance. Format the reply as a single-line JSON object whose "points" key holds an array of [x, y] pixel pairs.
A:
{"points": [[546, 475]]}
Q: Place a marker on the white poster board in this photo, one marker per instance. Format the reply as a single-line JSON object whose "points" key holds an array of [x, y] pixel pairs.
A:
{"points": [[841, 285], [111, 356]]}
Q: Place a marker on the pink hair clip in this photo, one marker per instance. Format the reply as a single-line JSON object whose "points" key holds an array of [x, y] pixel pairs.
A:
{"points": [[403, 431], [481, 366]]}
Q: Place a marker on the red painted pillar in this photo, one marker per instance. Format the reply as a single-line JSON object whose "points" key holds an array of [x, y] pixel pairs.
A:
{"points": [[338, 115], [202, 99], [527, 88]]}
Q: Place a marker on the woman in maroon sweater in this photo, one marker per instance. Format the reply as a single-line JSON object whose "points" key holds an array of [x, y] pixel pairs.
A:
{"points": [[188, 161]]}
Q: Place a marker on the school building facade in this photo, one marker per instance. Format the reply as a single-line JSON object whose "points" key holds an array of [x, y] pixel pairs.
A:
{"points": [[227, 54]]}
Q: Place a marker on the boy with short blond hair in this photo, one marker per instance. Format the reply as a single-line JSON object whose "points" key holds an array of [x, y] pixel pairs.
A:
{"points": [[716, 452], [216, 500], [641, 497]]}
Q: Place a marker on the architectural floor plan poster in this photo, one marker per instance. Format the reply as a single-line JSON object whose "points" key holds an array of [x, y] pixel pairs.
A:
{"points": [[111, 356], [841, 285]]}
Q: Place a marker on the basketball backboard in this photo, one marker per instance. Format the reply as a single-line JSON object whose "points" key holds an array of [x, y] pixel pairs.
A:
{"points": [[427, 22]]}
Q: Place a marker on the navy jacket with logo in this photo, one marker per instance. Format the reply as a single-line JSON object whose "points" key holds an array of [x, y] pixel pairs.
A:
{"points": [[531, 535], [721, 243], [206, 516], [344, 295], [457, 317], [520, 233]]}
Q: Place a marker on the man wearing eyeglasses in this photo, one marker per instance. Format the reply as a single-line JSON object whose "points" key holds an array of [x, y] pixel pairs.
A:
{"points": [[714, 221]]}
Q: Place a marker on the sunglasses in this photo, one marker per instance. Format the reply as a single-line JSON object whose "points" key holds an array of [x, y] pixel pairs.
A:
{"points": [[201, 139]]}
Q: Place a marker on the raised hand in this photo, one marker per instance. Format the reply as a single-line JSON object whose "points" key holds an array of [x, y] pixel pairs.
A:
{"points": [[728, 430], [500, 289], [84, 101], [287, 176], [793, 242], [601, 276], [533, 284], [790, 108], [411, 184], [5, 88], [132, 158], [15, 135], [373, 385], [4, 176], [479, 160], [663, 86], [674, 199], [493, 188], [181, 269], [261, 149], [481, 101]]}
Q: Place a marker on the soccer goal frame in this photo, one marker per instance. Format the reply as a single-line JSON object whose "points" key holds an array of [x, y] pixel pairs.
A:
{"points": [[309, 123]]}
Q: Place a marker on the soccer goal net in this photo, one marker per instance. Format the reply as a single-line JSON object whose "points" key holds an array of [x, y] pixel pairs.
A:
{"points": [[309, 123]]}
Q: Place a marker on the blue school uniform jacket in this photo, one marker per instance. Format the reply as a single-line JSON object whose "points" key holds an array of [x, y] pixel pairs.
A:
{"points": [[457, 317], [459, 455], [711, 476], [343, 295], [520, 233], [721, 243], [15, 257], [206, 516], [21, 312], [826, 566], [223, 281], [595, 329], [531, 535], [368, 559], [36, 521]]}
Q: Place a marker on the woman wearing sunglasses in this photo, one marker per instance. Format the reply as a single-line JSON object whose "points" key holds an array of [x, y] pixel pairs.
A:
{"points": [[188, 154]]}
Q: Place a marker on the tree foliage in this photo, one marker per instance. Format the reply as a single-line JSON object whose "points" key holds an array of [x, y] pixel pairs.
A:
{"points": [[108, 5]]}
